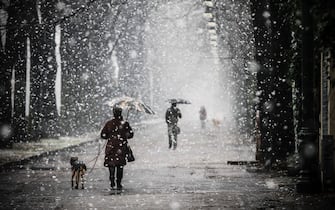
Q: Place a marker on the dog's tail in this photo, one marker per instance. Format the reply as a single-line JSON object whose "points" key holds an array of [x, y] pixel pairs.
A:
{"points": [[84, 167]]}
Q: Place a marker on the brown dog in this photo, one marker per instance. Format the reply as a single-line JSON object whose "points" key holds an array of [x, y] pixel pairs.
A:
{"points": [[78, 171], [216, 122]]}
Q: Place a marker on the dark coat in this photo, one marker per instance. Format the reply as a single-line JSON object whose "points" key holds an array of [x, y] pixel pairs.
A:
{"points": [[203, 113], [171, 116], [116, 131]]}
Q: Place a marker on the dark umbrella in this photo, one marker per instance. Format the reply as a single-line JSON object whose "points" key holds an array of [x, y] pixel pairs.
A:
{"points": [[179, 101], [130, 103]]}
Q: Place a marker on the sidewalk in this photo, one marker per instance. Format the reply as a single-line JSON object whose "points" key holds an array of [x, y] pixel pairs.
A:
{"points": [[27, 150]]}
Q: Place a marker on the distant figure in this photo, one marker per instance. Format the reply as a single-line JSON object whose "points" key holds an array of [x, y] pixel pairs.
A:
{"points": [[117, 132], [203, 116], [171, 117]]}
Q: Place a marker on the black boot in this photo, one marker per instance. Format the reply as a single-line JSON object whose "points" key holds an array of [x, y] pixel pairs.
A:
{"points": [[112, 184], [119, 176], [119, 185], [111, 176]]}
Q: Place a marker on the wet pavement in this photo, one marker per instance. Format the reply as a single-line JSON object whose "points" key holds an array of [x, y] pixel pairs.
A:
{"points": [[194, 176], [21, 151]]}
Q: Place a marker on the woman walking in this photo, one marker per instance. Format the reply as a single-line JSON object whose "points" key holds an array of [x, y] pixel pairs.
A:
{"points": [[203, 116], [117, 132]]}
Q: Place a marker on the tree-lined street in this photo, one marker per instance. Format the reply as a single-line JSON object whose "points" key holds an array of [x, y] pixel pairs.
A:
{"points": [[262, 69]]}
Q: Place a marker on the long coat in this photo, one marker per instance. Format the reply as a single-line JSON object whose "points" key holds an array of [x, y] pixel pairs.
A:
{"points": [[116, 131], [171, 116], [203, 113]]}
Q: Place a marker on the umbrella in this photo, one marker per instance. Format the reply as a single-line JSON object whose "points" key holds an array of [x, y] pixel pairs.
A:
{"points": [[179, 101], [130, 103]]}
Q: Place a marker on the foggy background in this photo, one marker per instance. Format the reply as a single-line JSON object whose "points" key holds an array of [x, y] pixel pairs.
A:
{"points": [[181, 64]]}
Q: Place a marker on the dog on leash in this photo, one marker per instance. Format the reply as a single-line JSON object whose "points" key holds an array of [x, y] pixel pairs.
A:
{"points": [[78, 172]]}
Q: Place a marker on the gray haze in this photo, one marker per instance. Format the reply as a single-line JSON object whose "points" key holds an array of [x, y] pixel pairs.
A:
{"points": [[182, 64]]}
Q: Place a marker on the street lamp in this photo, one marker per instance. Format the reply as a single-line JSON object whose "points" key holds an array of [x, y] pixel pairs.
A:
{"points": [[214, 43], [208, 3], [213, 37], [211, 24], [212, 31], [208, 15], [208, 11]]}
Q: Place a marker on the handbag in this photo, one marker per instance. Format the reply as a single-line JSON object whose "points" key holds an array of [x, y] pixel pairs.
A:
{"points": [[130, 155], [176, 130]]}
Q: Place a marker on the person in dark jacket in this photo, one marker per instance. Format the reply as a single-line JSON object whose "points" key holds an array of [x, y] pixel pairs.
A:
{"points": [[117, 132], [171, 118], [203, 116]]}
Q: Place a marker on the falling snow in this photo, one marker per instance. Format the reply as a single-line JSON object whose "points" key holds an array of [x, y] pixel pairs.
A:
{"points": [[263, 71]]}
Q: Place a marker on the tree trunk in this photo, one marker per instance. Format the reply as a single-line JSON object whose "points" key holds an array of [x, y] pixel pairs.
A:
{"points": [[74, 53], [18, 24], [308, 133], [5, 78], [43, 98], [262, 33], [283, 137]]}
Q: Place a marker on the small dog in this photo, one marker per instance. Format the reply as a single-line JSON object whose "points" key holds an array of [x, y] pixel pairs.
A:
{"points": [[216, 122], [78, 171]]}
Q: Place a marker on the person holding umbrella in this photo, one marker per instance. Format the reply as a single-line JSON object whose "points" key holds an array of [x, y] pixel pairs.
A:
{"points": [[129, 103], [171, 118], [117, 132]]}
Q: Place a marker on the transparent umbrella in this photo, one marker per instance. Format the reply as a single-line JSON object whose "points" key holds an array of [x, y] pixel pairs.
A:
{"points": [[129, 103], [179, 101]]}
